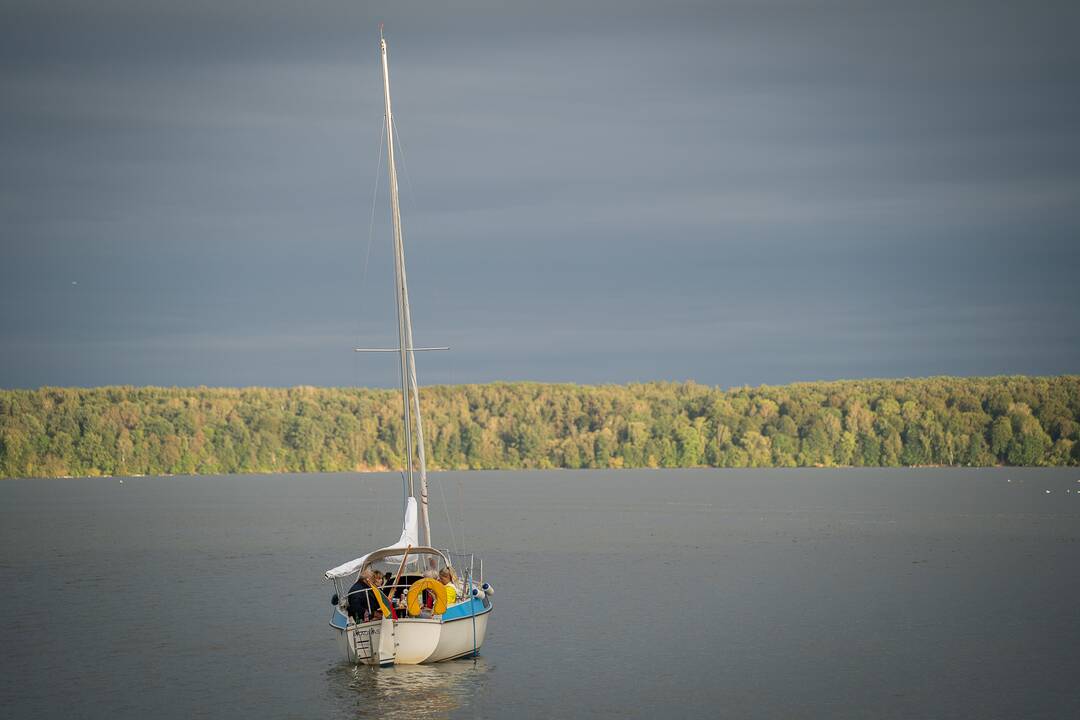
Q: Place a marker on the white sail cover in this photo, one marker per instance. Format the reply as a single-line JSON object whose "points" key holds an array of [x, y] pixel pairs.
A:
{"points": [[408, 539]]}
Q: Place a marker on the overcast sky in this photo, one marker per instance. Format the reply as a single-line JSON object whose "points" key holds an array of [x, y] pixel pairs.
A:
{"points": [[731, 192]]}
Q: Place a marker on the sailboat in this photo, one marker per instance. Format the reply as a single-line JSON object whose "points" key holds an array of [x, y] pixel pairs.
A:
{"points": [[409, 602]]}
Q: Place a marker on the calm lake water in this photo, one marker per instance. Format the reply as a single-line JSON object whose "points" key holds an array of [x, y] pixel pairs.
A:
{"points": [[743, 594]]}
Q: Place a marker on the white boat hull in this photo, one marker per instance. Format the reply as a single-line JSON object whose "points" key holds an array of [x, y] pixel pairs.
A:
{"points": [[414, 640], [456, 638]]}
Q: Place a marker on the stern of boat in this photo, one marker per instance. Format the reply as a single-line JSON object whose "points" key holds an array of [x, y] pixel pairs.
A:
{"points": [[458, 632]]}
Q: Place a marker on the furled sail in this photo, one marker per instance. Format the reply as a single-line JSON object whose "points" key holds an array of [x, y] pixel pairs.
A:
{"points": [[409, 534]]}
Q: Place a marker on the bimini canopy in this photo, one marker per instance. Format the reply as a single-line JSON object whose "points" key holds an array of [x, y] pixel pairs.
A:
{"points": [[394, 555], [407, 539]]}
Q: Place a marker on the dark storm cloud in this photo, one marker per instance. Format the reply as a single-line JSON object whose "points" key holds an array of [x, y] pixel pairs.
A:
{"points": [[733, 192]]}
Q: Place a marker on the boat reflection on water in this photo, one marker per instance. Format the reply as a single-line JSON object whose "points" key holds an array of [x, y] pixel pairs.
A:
{"points": [[408, 691]]}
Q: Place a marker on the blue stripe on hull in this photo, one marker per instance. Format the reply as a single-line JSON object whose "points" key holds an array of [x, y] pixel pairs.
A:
{"points": [[465, 609]]}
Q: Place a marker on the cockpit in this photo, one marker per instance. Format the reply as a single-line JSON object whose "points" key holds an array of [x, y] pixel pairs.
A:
{"points": [[395, 583]]}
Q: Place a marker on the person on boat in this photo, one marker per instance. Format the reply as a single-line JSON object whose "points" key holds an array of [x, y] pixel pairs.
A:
{"points": [[356, 602], [447, 579], [362, 604]]}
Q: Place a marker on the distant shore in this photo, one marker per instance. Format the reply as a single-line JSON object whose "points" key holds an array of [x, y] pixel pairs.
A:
{"points": [[942, 421]]}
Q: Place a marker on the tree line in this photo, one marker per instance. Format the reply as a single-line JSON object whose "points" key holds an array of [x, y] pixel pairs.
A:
{"points": [[51, 431]]}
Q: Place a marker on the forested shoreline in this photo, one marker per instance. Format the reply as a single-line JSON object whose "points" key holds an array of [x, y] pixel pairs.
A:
{"points": [[51, 432]]}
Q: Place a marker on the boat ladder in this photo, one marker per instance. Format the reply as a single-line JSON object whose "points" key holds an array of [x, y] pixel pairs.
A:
{"points": [[362, 644]]}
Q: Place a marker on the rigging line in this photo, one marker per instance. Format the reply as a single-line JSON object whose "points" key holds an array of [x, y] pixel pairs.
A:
{"points": [[371, 238], [374, 200], [405, 168], [461, 505], [371, 511], [446, 507]]}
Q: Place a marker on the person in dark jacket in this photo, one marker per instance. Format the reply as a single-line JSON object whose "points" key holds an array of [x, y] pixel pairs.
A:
{"points": [[362, 605]]}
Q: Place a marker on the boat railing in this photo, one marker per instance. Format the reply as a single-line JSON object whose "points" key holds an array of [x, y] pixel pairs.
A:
{"points": [[468, 566]]}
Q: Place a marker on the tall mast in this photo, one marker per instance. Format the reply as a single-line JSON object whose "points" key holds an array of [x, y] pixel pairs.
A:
{"points": [[424, 523], [409, 388], [399, 266]]}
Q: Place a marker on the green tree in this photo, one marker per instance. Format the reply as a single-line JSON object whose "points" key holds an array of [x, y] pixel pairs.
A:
{"points": [[978, 452], [1001, 434], [1030, 443], [974, 421], [758, 449]]}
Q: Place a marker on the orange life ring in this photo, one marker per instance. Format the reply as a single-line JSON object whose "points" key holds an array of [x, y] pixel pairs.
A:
{"points": [[416, 592]]}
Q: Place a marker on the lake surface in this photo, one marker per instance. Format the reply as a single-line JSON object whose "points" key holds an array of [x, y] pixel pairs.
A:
{"points": [[712, 593]]}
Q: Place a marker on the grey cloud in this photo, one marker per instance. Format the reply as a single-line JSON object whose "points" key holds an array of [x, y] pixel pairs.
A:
{"points": [[735, 192]]}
